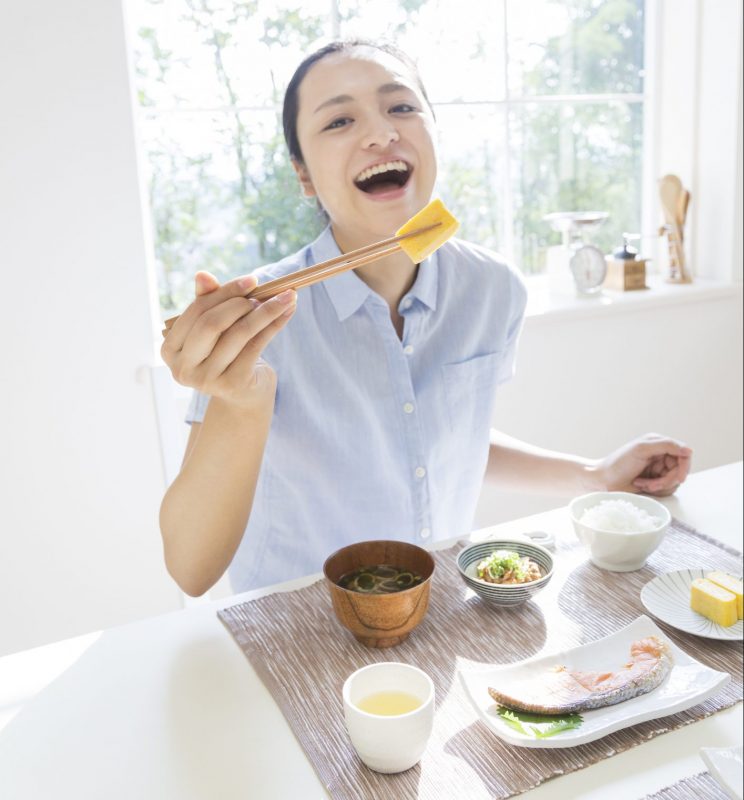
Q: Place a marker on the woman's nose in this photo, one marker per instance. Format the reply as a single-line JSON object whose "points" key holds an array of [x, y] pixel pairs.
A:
{"points": [[380, 134]]}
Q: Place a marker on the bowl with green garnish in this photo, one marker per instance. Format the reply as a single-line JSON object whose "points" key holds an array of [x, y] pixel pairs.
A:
{"points": [[379, 589], [505, 572]]}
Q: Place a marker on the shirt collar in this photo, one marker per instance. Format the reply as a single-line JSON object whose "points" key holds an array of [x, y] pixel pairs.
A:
{"points": [[348, 293], [426, 285]]}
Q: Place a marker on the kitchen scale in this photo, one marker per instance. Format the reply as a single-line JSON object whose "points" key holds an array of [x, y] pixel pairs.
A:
{"points": [[585, 262]]}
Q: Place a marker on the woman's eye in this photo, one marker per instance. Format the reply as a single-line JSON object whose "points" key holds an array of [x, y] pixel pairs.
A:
{"points": [[403, 108], [338, 123]]}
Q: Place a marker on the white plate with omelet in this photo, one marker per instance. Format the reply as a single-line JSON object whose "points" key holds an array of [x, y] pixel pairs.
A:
{"points": [[667, 597]]}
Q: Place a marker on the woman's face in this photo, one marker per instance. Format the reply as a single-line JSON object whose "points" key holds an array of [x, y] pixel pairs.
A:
{"points": [[368, 140]]}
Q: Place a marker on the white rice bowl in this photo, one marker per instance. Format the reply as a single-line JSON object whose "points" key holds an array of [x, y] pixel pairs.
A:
{"points": [[619, 530]]}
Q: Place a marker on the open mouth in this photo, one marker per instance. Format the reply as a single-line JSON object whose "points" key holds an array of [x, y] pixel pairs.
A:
{"points": [[383, 177]]}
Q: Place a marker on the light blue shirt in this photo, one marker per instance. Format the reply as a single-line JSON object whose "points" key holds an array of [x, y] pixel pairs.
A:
{"points": [[373, 437]]}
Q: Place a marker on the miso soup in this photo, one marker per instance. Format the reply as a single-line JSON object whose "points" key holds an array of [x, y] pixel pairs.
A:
{"points": [[379, 579]]}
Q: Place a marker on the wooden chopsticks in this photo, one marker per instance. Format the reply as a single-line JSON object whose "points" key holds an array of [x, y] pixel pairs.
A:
{"points": [[325, 269]]}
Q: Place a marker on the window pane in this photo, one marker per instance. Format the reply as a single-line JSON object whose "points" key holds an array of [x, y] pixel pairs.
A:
{"points": [[575, 47], [472, 170], [458, 60], [222, 52], [581, 157], [218, 206]]}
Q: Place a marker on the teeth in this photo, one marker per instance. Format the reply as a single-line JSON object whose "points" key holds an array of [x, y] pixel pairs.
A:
{"points": [[391, 166]]}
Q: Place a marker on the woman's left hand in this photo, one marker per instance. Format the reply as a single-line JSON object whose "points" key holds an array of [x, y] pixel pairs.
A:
{"points": [[652, 464]]}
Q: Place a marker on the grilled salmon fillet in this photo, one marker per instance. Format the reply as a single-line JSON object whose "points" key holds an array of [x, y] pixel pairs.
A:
{"points": [[561, 691]]}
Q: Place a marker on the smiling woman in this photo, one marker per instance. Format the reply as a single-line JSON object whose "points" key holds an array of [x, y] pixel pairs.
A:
{"points": [[347, 430], [359, 364]]}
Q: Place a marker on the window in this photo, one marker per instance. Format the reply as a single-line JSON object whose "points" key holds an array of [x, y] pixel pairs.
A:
{"points": [[539, 103]]}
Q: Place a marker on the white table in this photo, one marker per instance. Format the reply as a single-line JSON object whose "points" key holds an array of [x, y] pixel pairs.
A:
{"points": [[169, 708]]}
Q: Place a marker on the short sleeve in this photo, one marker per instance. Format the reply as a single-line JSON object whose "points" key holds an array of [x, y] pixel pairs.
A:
{"points": [[508, 362], [197, 407]]}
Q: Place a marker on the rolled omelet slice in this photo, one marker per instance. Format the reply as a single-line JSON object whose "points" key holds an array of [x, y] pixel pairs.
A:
{"points": [[713, 602], [730, 583], [422, 246]]}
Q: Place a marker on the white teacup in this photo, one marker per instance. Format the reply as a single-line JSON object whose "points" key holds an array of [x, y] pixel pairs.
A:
{"points": [[389, 743]]}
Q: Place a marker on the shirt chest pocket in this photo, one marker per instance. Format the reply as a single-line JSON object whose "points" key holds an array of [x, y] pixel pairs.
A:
{"points": [[470, 388]]}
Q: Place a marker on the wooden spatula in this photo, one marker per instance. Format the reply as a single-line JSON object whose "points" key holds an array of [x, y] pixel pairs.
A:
{"points": [[672, 195], [670, 192], [684, 202]]}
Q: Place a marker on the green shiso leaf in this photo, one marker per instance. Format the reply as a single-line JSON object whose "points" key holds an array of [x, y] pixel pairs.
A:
{"points": [[511, 719], [568, 723], [540, 726]]}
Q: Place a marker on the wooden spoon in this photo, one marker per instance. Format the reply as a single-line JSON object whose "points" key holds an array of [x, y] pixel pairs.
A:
{"points": [[684, 202], [671, 191]]}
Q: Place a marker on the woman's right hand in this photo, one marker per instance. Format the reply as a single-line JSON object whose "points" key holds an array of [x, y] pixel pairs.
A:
{"points": [[215, 346]]}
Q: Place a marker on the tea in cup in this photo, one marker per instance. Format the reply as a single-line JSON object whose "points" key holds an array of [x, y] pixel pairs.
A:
{"points": [[389, 713]]}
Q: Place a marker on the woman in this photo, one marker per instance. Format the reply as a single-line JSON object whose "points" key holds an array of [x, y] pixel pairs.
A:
{"points": [[370, 416]]}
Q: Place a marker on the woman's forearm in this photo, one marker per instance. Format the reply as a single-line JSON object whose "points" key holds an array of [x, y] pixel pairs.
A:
{"points": [[204, 512], [651, 463], [519, 466]]}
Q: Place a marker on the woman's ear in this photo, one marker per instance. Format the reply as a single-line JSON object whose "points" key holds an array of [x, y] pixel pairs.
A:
{"points": [[306, 183]]}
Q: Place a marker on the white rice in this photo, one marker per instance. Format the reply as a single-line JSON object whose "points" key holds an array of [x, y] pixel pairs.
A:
{"points": [[619, 516]]}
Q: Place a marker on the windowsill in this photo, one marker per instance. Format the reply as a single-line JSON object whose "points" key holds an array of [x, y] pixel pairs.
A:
{"points": [[549, 300]]}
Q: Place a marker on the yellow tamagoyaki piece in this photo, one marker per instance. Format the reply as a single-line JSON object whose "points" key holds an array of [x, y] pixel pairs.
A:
{"points": [[422, 246], [733, 585], [713, 602]]}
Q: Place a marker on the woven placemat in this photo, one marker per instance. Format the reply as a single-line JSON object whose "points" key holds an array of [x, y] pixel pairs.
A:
{"points": [[697, 787], [303, 656]]}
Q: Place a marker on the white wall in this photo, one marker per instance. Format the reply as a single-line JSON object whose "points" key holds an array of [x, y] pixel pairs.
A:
{"points": [[588, 385], [738, 252], [81, 472]]}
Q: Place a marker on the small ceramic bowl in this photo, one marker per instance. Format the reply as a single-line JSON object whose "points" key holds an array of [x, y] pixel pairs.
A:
{"points": [[504, 594], [395, 742], [379, 620], [619, 551]]}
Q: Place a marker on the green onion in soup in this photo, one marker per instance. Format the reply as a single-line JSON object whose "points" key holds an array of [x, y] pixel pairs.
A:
{"points": [[379, 579]]}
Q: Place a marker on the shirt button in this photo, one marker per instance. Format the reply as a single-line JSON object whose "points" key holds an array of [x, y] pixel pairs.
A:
{"points": [[407, 303], [425, 533], [408, 349], [408, 408], [419, 472]]}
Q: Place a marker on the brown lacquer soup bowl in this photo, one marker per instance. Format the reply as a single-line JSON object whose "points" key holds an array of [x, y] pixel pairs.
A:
{"points": [[379, 589]]}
